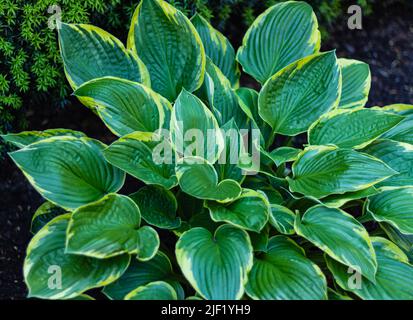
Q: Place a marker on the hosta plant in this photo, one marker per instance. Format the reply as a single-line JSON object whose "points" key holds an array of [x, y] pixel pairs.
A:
{"points": [[294, 191]]}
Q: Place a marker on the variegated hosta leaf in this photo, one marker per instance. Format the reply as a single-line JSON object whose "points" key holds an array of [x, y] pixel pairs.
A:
{"points": [[282, 155], [403, 241], [248, 102], [356, 83], [397, 155], [284, 273], [218, 49], [51, 273], [199, 179], [338, 200], [110, 227], [351, 128], [394, 206], [194, 129], [68, 171], [158, 290], [403, 132], [46, 212], [125, 106], [296, 96], [227, 165], [158, 206], [394, 278], [222, 97], [216, 265], [23, 139], [282, 219], [320, 171], [141, 273], [170, 47], [137, 154], [281, 35], [250, 211], [89, 52], [339, 235]]}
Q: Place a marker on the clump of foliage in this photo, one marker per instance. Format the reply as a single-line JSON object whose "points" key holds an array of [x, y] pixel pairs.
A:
{"points": [[318, 203]]}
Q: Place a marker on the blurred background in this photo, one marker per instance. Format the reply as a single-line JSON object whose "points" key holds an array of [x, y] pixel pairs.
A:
{"points": [[34, 94]]}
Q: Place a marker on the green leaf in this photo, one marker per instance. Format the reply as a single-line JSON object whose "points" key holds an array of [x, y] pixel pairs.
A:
{"points": [[158, 290], [222, 97], [47, 264], [284, 33], [138, 274], [148, 242], [250, 211], [158, 206], [282, 219], [23, 139], [394, 206], [136, 154], [46, 212], [282, 155], [397, 155], [199, 179], [89, 52], [125, 106], [248, 102], [68, 171], [394, 278], [215, 265], [108, 228], [338, 200], [194, 129], [351, 128], [400, 108], [403, 132], [170, 47], [284, 273], [320, 171], [356, 83], [339, 235], [296, 96], [217, 48], [227, 165], [403, 241]]}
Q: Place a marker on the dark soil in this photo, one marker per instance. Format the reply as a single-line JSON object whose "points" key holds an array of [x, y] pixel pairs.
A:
{"points": [[386, 43]]}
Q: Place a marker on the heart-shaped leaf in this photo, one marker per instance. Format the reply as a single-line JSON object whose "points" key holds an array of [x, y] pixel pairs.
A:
{"points": [[194, 129], [250, 211], [323, 170], [68, 171], [50, 273], [125, 106], [296, 96], [283, 272], [199, 179], [284, 33], [394, 271], [139, 153], [108, 228], [399, 156], [350, 246], [170, 47], [351, 128], [217, 48], [25, 138], [158, 290], [356, 83], [394, 206], [215, 265], [89, 52], [158, 206], [139, 273]]}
